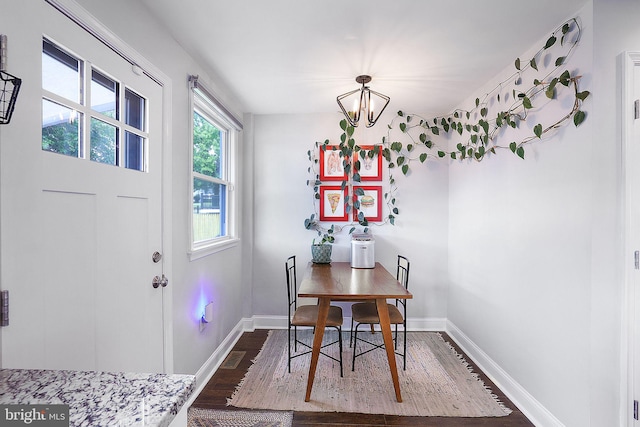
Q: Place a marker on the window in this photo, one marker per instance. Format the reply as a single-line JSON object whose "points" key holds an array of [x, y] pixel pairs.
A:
{"points": [[86, 120], [214, 139]]}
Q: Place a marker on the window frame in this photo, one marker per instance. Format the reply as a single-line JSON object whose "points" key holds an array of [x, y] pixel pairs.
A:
{"points": [[202, 103], [87, 113]]}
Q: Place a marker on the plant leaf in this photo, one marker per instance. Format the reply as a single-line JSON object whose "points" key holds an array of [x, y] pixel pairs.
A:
{"points": [[550, 42], [520, 152], [517, 64], [537, 130], [550, 92], [579, 117], [513, 147], [583, 95], [533, 64], [423, 157]]}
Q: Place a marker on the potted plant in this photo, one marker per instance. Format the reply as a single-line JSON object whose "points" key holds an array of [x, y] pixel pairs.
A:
{"points": [[320, 252]]}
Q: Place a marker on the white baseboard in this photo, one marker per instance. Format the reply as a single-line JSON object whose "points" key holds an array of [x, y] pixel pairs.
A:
{"points": [[527, 404], [212, 364], [280, 322]]}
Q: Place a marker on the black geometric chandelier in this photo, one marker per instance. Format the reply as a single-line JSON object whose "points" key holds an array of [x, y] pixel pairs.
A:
{"points": [[363, 101]]}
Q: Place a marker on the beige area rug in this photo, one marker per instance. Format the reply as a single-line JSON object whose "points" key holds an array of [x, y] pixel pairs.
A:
{"points": [[215, 418], [437, 382]]}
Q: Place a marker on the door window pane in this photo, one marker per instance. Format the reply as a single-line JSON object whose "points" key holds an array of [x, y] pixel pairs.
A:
{"points": [[133, 151], [209, 207], [74, 110], [61, 72], [134, 110], [104, 142], [61, 129], [104, 95], [207, 150]]}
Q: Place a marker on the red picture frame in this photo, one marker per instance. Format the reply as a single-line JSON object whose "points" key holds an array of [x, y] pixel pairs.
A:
{"points": [[370, 202], [333, 203], [331, 164], [370, 167]]}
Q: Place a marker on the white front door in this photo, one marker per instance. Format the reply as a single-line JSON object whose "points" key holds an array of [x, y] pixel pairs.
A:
{"points": [[89, 223]]}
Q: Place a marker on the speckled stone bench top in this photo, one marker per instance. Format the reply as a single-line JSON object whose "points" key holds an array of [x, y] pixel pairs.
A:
{"points": [[100, 398]]}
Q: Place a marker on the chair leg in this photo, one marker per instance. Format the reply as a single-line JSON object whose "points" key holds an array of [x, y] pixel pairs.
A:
{"points": [[355, 345], [340, 346], [289, 349], [396, 340], [404, 353], [351, 333]]}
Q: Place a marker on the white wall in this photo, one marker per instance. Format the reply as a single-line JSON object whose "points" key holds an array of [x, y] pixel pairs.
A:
{"points": [[534, 245], [283, 201], [615, 30]]}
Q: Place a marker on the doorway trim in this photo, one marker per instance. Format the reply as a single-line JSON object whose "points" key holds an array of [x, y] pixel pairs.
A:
{"points": [[627, 62], [97, 29]]}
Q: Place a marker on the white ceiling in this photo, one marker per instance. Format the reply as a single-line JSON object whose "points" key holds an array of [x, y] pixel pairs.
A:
{"points": [[296, 56]]}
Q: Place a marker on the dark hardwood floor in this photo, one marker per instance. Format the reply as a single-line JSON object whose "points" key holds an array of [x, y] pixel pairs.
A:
{"points": [[224, 381]]}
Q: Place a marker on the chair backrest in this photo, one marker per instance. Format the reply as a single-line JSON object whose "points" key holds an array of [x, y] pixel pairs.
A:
{"points": [[290, 272], [402, 273]]}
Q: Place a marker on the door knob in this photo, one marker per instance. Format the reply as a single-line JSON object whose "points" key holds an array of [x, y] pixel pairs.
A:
{"points": [[160, 281]]}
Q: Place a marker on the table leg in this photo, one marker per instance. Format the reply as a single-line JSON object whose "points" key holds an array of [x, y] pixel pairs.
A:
{"points": [[323, 312], [385, 325]]}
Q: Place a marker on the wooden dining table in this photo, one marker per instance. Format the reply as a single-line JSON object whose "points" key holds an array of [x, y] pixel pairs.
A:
{"points": [[338, 281]]}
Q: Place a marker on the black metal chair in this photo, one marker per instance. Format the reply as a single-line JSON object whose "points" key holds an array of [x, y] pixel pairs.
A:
{"points": [[307, 316], [366, 313]]}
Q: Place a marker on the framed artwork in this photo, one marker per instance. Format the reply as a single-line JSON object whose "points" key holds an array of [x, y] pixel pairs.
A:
{"points": [[331, 167], [370, 167], [332, 203], [370, 202]]}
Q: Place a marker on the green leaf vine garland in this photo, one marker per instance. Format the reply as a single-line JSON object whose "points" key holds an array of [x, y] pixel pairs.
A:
{"points": [[477, 128]]}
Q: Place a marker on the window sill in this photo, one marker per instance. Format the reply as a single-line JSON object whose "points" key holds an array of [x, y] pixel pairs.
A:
{"points": [[213, 248]]}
